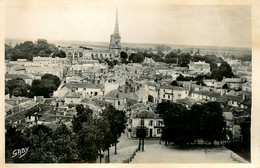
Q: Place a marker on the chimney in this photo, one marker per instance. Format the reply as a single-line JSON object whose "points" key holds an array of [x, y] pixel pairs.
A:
{"points": [[244, 96]]}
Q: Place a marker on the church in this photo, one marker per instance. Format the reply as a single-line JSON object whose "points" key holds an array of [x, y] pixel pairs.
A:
{"points": [[115, 38], [112, 52]]}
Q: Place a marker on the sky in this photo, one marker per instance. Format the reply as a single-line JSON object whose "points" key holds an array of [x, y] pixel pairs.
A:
{"points": [[139, 22]]}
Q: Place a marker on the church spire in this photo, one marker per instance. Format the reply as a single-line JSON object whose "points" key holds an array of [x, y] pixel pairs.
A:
{"points": [[115, 38], [116, 24]]}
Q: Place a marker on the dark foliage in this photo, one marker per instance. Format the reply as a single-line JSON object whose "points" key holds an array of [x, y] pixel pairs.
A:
{"points": [[183, 126], [44, 87], [16, 87], [28, 50]]}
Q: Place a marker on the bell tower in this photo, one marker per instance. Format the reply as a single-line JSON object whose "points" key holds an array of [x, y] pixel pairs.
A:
{"points": [[115, 38]]}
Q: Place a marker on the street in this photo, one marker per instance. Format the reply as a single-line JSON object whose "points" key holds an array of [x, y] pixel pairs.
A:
{"points": [[159, 153]]}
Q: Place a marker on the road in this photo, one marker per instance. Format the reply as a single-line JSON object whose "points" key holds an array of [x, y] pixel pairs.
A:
{"points": [[159, 153]]}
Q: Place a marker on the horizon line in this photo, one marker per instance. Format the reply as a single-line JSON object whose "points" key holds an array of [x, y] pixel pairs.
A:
{"points": [[33, 40]]}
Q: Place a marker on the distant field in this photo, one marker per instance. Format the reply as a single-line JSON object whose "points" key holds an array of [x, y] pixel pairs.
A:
{"points": [[104, 45]]}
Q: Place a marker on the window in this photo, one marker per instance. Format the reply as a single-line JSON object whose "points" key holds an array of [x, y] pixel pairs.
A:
{"points": [[169, 96], [119, 103], [96, 93], [151, 123], [158, 131], [164, 96]]}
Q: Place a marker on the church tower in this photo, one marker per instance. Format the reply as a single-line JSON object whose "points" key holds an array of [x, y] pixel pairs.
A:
{"points": [[115, 38]]}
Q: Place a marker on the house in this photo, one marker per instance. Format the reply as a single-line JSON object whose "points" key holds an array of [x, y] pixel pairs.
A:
{"points": [[73, 79], [239, 101], [200, 67], [234, 83], [28, 80], [247, 87], [196, 87], [32, 115], [172, 93], [117, 99], [73, 98], [213, 83], [86, 89], [51, 61], [148, 61], [94, 104], [41, 70], [229, 119], [153, 124], [205, 95], [187, 102], [151, 92]]}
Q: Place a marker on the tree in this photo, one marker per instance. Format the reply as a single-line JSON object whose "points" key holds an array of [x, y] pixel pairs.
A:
{"points": [[174, 83], [83, 114], [28, 50], [93, 134], [246, 131], [65, 147], [123, 55], [136, 57], [183, 126], [117, 121], [16, 87], [41, 145], [175, 130], [14, 139], [44, 87], [53, 79], [225, 86], [201, 83], [8, 51], [212, 122]]}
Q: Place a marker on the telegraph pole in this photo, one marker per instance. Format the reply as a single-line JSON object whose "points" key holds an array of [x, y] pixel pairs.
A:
{"points": [[142, 135]]}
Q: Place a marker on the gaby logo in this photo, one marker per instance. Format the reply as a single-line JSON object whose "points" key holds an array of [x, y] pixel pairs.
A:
{"points": [[20, 152]]}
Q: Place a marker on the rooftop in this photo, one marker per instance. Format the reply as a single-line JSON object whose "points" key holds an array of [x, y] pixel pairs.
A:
{"points": [[14, 76], [172, 87], [207, 93]]}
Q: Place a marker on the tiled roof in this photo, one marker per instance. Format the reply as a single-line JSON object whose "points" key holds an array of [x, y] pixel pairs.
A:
{"points": [[234, 80], [82, 85], [13, 76], [226, 98], [172, 87], [207, 93], [114, 94], [73, 95], [146, 114], [186, 101]]}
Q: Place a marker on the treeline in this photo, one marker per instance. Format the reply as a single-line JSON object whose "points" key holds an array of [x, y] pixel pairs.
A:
{"points": [[218, 67], [244, 57], [183, 126], [28, 50], [43, 87], [205, 122], [88, 138]]}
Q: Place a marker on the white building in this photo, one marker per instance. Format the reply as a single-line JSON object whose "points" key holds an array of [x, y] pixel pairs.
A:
{"points": [[172, 93], [200, 67]]}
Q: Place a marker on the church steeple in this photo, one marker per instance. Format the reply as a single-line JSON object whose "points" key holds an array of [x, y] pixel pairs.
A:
{"points": [[116, 23], [115, 38]]}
